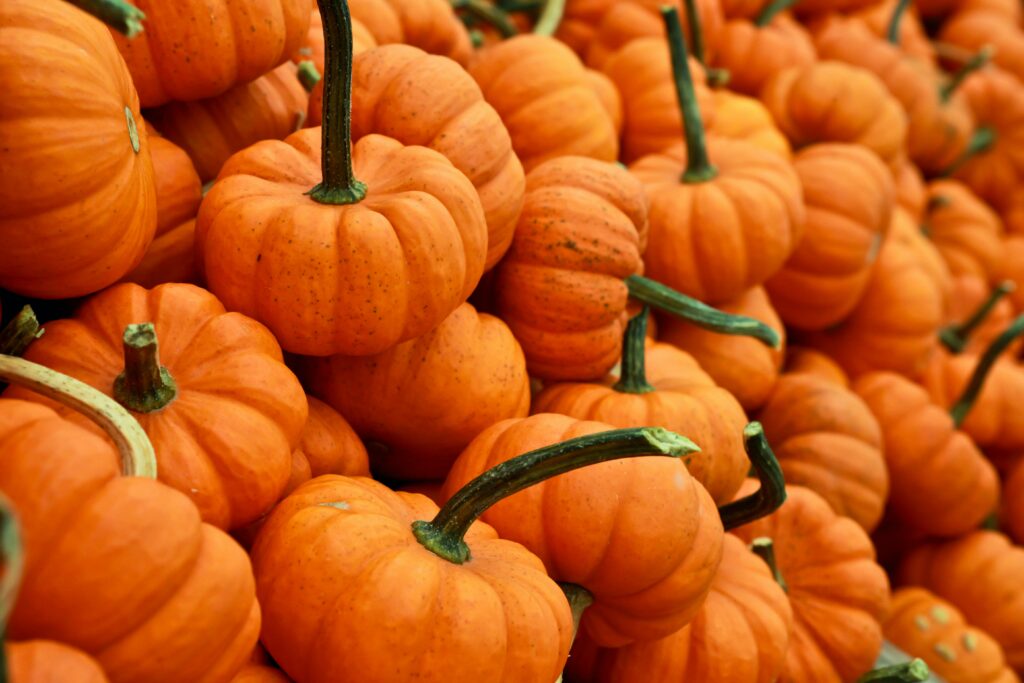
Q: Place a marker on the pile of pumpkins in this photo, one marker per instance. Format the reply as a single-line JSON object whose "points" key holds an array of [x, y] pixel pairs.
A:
{"points": [[512, 341]]}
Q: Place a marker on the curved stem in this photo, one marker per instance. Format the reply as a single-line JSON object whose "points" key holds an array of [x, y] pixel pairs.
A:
{"points": [[963, 406], [698, 165], [772, 10], [488, 14], [633, 377], [696, 32], [669, 300], [308, 75], [550, 18], [117, 14], [892, 33], [982, 140], [145, 386], [20, 332], [444, 534], [137, 456], [772, 493], [977, 61], [955, 337], [764, 548], [13, 568], [913, 671], [339, 184]]}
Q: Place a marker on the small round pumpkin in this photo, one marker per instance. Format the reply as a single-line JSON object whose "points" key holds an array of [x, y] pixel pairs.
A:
{"points": [[803, 360], [430, 25], [744, 118], [754, 51], [47, 661], [910, 35], [965, 230], [910, 190], [974, 29]]}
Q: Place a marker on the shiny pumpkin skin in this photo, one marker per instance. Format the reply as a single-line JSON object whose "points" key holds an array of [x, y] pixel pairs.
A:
{"points": [[416, 244], [921, 448], [232, 388], [102, 539], [404, 399], [83, 209], [824, 279], [740, 634], [47, 661], [421, 99], [979, 574], [925, 626], [753, 54], [640, 534], [498, 617], [560, 288], [965, 230], [744, 118], [827, 440]]}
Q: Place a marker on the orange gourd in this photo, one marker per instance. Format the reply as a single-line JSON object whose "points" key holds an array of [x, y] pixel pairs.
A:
{"points": [[46, 661], [1011, 268], [803, 360], [744, 118], [329, 444], [258, 673], [910, 34], [910, 190], [975, 29], [430, 25], [1012, 513], [965, 230], [977, 315]]}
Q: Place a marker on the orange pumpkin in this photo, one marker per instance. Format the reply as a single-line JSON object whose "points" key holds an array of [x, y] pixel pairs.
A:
{"points": [[258, 673], [975, 29], [976, 316], [46, 661], [744, 118], [827, 275], [608, 94], [802, 360], [430, 25], [313, 48], [965, 230], [910, 191], [78, 199], [1011, 268], [1012, 513]]}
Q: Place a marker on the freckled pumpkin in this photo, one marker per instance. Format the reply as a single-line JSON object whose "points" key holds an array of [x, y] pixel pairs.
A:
{"points": [[405, 400], [925, 626], [825, 277], [979, 574], [922, 448], [82, 209], [744, 118], [47, 661], [430, 25], [965, 230], [802, 360], [216, 399]]}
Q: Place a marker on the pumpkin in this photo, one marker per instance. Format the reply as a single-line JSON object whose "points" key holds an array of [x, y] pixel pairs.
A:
{"points": [[1011, 267], [744, 118], [258, 673], [803, 360], [430, 25], [313, 50], [532, 81], [965, 230], [703, 198], [424, 400], [330, 445], [421, 99], [923, 625], [827, 275], [219, 404], [103, 539], [974, 29], [922, 448], [608, 94], [898, 23], [46, 661], [910, 190], [830, 101], [1012, 514], [977, 573], [83, 209], [472, 606], [684, 399], [740, 634], [382, 260], [976, 316]]}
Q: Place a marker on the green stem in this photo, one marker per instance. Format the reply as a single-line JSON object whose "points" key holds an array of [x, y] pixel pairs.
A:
{"points": [[339, 184], [550, 18], [145, 386], [444, 535], [773, 10], [764, 548], [308, 75], [633, 377], [669, 300], [489, 14], [579, 600], [513, 6], [14, 565], [913, 671], [698, 165], [982, 140], [772, 493], [983, 56], [696, 32], [892, 34], [963, 406], [955, 337], [20, 332], [117, 14]]}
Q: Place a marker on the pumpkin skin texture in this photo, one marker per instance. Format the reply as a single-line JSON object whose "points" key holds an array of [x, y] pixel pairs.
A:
{"points": [[744, 118], [549, 81], [661, 537], [238, 43], [965, 230], [416, 244], [827, 440], [837, 591], [83, 210], [928, 627], [421, 99], [831, 101], [753, 54], [826, 276], [227, 437], [46, 661], [406, 400], [979, 574], [102, 539], [430, 25], [330, 445], [497, 617], [740, 634], [802, 360], [921, 447], [560, 287]]}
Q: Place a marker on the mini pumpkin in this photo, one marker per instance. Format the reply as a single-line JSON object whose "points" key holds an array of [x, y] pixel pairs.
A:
{"points": [[803, 360], [897, 22], [977, 315], [910, 190], [47, 661], [744, 118], [965, 230], [974, 29], [430, 25]]}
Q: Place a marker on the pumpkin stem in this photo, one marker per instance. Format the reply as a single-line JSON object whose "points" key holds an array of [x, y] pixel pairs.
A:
{"points": [[700, 314], [308, 75], [773, 10], [955, 337], [550, 18], [772, 493], [913, 671], [579, 600], [764, 548], [696, 31], [476, 10], [633, 377], [444, 534], [20, 332], [892, 33], [964, 404], [11, 550], [137, 457], [698, 166], [977, 61], [339, 184], [145, 386], [117, 14], [982, 140]]}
